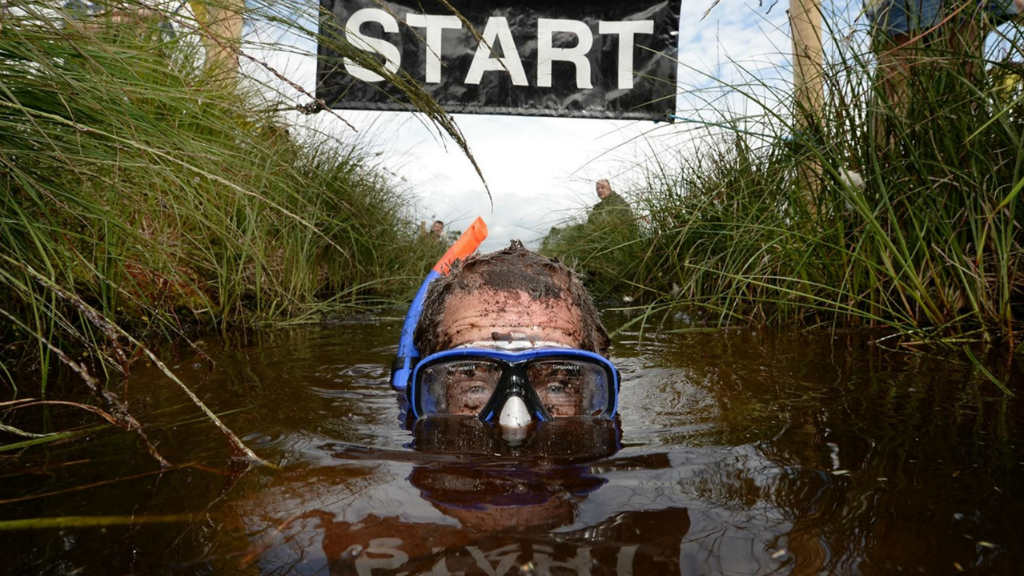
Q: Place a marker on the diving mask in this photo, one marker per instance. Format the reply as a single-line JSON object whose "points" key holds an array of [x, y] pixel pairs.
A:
{"points": [[514, 387]]}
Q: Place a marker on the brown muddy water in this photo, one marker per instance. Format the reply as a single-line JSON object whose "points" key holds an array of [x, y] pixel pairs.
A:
{"points": [[737, 452]]}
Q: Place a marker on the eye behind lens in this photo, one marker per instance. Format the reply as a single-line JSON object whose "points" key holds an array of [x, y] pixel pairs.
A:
{"points": [[569, 387], [460, 386]]}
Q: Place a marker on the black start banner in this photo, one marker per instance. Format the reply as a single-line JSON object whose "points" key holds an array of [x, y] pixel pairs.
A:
{"points": [[594, 59]]}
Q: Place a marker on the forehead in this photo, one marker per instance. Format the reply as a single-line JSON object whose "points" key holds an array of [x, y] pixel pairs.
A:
{"points": [[489, 315]]}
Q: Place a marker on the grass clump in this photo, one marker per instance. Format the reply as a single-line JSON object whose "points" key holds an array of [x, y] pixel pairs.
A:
{"points": [[144, 195], [881, 211]]}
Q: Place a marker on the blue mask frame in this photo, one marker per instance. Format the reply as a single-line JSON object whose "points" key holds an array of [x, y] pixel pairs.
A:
{"points": [[512, 358]]}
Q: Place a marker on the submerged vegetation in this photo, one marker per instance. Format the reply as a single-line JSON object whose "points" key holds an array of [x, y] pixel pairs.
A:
{"points": [[147, 194], [876, 211]]}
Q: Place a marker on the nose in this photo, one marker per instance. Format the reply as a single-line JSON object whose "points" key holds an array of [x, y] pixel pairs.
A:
{"points": [[514, 419]]}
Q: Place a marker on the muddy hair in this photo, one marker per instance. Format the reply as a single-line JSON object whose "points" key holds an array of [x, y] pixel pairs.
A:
{"points": [[513, 269]]}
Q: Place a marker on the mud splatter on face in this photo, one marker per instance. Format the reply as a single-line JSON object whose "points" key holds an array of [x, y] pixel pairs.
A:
{"points": [[540, 282], [505, 276]]}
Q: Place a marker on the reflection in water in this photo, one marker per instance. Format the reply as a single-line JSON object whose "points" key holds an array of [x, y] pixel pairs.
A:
{"points": [[629, 543], [496, 510], [563, 440], [533, 487], [736, 453]]}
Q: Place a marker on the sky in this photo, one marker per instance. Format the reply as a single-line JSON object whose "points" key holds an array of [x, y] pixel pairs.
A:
{"points": [[541, 171]]}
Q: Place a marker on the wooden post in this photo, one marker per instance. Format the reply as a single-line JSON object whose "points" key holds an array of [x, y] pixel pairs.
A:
{"points": [[808, 86], [805, 21], [221, 25]]}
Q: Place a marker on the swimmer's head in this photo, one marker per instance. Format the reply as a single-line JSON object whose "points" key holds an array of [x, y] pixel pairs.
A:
{"points": [[513, 295], [513, 338]]}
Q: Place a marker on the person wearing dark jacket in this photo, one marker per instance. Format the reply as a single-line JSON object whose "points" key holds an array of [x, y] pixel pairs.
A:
{"points": [[611, 206]]}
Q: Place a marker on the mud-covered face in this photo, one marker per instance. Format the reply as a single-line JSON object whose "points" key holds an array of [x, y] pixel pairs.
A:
{"points": [[499, 294], [499, 316], [492, 318]]}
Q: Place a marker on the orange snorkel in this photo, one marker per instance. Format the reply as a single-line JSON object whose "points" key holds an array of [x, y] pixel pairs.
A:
{"points": [[467, 243]]}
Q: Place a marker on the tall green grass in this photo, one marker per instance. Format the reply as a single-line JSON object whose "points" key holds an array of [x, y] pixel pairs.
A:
{"points": [[144, 195], [762, 222]]}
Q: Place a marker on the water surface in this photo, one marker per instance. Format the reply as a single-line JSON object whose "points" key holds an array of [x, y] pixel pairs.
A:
{"points": [[737, 452]]}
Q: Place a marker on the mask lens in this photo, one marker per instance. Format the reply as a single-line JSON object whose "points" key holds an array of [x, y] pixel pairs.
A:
{"points": [[458, 387], [570, 387]]}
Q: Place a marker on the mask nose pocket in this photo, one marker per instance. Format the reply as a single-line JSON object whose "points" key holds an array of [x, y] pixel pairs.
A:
{"points": [[514, 414], [514, 421]]}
